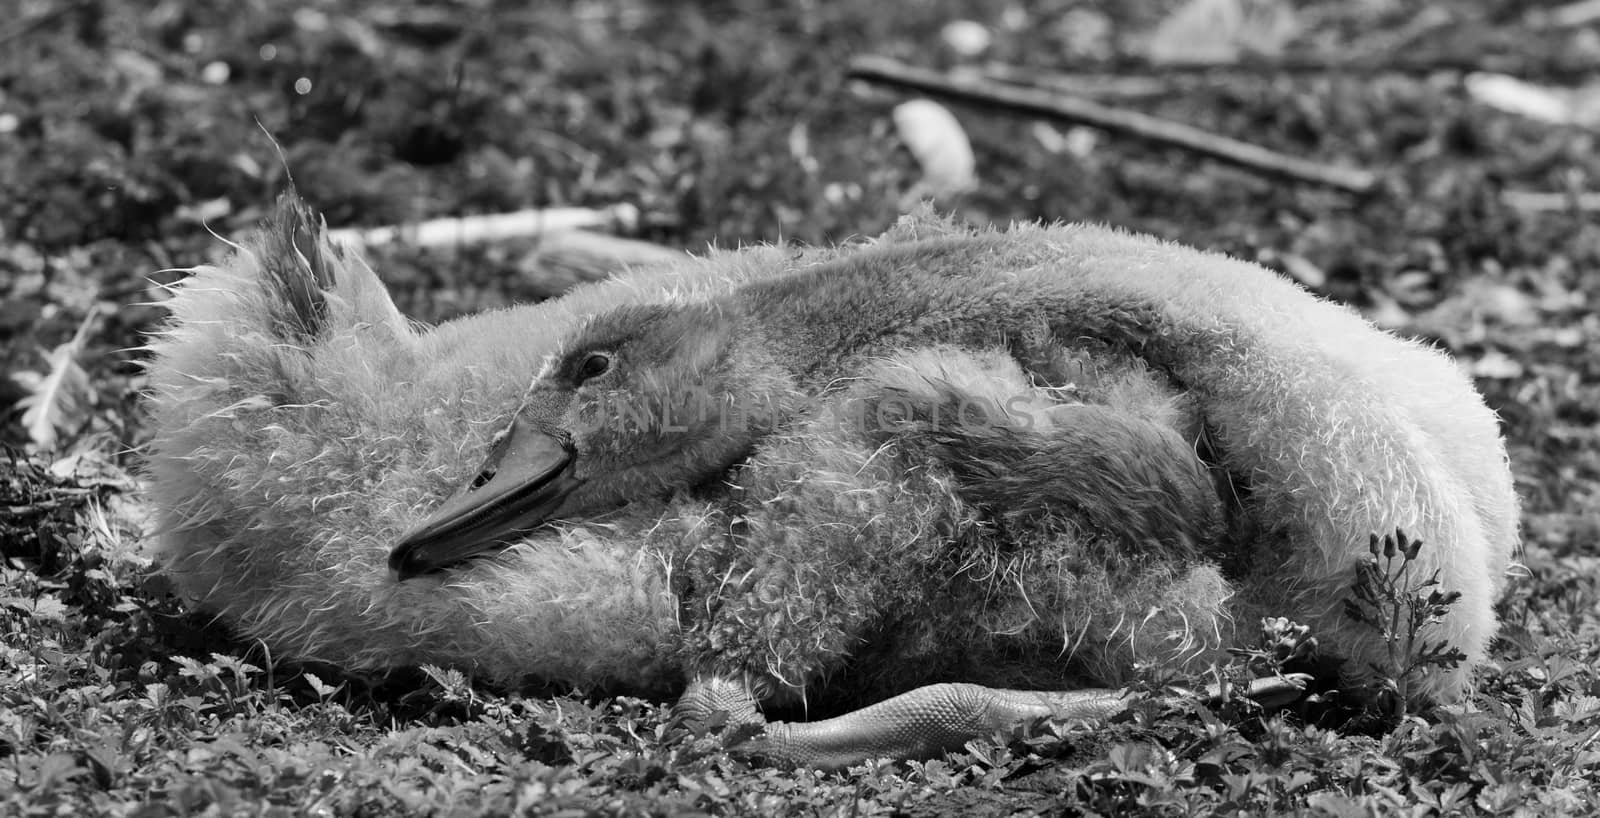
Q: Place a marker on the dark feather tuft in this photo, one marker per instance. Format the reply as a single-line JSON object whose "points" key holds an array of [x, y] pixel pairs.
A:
{"points": [[298, 266]]}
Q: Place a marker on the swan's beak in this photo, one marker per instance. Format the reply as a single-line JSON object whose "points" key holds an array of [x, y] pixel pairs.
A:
{"points": [[521, 486]]}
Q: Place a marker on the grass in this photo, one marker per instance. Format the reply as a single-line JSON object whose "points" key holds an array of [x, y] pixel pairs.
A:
{"points": [[126, 130]]}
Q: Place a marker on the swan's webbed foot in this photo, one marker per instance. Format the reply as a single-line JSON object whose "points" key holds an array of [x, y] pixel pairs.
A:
{"points": [[927, 721]]}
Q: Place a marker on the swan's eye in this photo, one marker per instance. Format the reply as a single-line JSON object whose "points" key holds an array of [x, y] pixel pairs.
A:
{"points": [[593, 366]]}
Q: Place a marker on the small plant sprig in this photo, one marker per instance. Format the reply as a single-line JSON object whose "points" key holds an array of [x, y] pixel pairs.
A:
{"points": [[1263, 678], [1282, 643], [1400, 612]]}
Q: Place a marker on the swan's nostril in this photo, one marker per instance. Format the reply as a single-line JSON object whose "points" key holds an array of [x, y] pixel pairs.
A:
{"points": [[481, 480]]}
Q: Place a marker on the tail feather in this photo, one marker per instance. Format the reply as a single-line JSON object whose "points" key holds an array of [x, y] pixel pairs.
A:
{"points": [[297, 269]]}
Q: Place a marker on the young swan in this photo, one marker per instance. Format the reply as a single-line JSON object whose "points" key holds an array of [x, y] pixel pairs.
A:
{"points": [[301, 425], [1327, 429]]}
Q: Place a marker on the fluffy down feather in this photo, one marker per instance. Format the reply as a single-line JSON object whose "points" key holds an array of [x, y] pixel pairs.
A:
{"points": [[288, 456], [299, 430], [870, 549]]}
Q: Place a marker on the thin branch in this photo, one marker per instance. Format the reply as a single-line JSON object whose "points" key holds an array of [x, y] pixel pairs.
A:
{"points": [[1533, 201], [1083, 112], [1092, 85], [1548, 67], [452, 232]]}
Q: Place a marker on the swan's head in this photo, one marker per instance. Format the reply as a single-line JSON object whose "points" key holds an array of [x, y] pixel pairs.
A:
{"points": [[642, 402]]}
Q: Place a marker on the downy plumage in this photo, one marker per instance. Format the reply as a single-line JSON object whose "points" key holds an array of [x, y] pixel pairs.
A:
{"points": [[302, 426]]}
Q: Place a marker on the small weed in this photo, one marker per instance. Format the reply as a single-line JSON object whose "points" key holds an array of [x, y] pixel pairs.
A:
{"points": [[1400, 606], [1284, 645]]}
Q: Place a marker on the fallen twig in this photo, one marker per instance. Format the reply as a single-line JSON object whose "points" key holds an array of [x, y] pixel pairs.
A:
{"points": [[1094, 86], [564, 252], [1363, 59], [1084, 112], [1532, 201], [453, 232]]}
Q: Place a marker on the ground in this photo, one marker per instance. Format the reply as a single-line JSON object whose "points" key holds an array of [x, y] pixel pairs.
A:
{"points": [[131, 132]]}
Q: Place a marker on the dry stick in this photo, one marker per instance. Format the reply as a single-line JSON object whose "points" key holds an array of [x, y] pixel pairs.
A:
{"points": [[1551, 67], [564, 255], [1531, 201], [450, 232], [1083, 112], [1095, 86]]}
